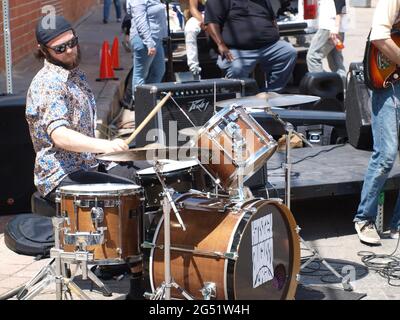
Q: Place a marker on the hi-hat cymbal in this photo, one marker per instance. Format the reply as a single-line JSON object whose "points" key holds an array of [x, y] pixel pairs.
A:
{"points": [[270, 99], [149, 154]]}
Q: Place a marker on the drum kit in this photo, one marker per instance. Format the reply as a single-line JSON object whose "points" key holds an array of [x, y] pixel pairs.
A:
{"points": [[208, 237]]}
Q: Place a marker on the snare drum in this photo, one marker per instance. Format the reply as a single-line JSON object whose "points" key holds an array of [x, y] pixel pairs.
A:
{"points": [[179, 175], [246, 252], [235, 136], [105, 219]]}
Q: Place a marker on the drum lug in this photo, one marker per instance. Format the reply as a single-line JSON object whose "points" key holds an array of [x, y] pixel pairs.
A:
{"points": [[148, 245], [209, 290], [97, 214], [119, 252], [231, 255]]}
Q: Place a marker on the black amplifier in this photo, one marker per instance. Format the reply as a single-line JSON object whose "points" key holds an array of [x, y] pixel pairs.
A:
{"points": [[197, 100]]}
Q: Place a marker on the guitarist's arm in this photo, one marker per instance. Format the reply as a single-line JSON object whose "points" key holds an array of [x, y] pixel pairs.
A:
{"points": [[385, 15], [389, 48]]}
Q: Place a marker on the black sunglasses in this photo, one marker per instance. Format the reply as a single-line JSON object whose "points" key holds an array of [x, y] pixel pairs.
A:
{"points": [[61, 48]]}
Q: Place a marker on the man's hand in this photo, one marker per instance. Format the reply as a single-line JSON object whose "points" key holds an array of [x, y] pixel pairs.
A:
{"points": [[334, 36], [151, 52], [115, 145], [203, 26], [224, 52]]}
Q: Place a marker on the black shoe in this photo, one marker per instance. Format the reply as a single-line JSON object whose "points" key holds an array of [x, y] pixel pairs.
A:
{"points": [[105, 21]]}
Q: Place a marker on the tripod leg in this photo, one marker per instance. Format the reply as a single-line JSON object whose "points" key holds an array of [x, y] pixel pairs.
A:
{"points": [[37, 288], [106, 291], [78, 291], [36, 279], [345, 283], [182, 291]]}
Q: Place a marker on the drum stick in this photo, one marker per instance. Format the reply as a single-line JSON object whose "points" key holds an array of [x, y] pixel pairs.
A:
{"points": [[147, 119]]}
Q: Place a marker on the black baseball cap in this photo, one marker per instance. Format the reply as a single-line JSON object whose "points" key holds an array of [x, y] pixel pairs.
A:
{"points": [[50, 27]]}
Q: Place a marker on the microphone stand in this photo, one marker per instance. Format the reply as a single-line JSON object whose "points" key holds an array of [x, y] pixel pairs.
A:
{"points": [[288, 166]]}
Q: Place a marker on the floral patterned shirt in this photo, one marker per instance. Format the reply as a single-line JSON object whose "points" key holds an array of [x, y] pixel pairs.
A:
{"points": [[59, 97]]}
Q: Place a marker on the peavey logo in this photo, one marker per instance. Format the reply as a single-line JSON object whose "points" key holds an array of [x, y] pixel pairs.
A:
{"points": [[199, 105]]}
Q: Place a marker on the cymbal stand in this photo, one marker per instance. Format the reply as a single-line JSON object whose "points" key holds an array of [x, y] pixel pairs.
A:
{"points": [[164, 291], [288, 166]]}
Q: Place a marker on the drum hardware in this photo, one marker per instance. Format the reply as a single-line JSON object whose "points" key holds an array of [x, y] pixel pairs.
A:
{"points": [[164, 291], [84, 239], [214, 254], [55, 271], [287, 167], [209, 290]]}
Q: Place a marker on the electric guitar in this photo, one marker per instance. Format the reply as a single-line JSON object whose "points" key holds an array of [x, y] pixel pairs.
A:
{"points": [[379, 71]]}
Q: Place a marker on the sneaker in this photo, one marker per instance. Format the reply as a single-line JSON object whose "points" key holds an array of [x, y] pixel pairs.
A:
{"points": [[105, 21], [119, 20], [394, 234], [367, 232]]}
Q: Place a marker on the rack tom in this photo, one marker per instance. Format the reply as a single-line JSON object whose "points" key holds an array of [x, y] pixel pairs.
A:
{"points": [[235, 137]]}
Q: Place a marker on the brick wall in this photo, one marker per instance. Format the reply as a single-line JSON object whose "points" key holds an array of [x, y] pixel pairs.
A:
{"points": [[24, 15]]}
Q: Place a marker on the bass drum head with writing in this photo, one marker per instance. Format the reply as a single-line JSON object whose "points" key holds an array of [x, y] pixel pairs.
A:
{"points": [[268, 250]]}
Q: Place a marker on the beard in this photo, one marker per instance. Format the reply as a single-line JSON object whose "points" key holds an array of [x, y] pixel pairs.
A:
{"points": [[68, 66]]}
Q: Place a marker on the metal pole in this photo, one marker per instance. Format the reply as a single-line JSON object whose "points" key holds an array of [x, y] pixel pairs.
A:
{"points": [[7, 46], [167, 246], [288, 165]]}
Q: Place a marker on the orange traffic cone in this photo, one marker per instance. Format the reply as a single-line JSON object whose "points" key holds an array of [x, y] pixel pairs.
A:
{"points": [[115, 55], [106, 70]]}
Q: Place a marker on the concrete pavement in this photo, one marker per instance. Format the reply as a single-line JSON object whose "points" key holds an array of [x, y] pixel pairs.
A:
{"points": [[326, 223]]}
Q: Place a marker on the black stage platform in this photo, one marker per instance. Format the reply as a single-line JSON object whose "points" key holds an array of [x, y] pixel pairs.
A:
{"points": [[322, 171]]}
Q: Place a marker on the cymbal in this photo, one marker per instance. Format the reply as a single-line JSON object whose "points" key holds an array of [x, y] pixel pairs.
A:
{"points": [[190, 132], [149, 154], [270, 99]]}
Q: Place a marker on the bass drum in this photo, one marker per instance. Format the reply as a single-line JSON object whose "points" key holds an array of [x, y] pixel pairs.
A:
{"points": [[247, 252]]}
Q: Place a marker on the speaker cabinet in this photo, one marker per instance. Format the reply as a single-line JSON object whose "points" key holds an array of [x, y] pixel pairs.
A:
{"points": [[358, 109], [195, 98], [17, 157]]}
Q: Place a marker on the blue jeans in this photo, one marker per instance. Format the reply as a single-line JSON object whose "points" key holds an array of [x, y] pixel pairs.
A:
{"points": [[277, 61], [147, 69], [106, 9], [384, 123]]}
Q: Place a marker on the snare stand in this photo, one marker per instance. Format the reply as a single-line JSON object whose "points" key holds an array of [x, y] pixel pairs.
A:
{"points": [[288, 166], [50, 273], [164, 291]]}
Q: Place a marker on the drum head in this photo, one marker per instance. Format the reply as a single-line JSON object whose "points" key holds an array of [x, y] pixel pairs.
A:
{"points": [[268, 255], [169, 166], [99, 189]]}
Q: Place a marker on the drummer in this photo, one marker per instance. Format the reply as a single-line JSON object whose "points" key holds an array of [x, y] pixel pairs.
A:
{"points": [[61, 113]]}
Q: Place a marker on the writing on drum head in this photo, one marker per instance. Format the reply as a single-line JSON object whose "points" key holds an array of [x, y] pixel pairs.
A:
{"points": [[262, 250]]}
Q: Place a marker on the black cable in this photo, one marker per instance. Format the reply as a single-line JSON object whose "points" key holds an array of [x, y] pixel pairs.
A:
{"points": [[389, 269], [317, 269], [312, 156]]}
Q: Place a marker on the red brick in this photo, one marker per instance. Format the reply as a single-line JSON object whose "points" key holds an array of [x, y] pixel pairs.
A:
{"points": [[23, 18]]}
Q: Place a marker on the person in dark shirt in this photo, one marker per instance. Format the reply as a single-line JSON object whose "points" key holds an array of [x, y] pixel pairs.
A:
{"points": [[246, 33]]}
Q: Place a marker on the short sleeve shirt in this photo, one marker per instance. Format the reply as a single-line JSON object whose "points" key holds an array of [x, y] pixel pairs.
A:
{"points": [[58, 97], [245, 24]]}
